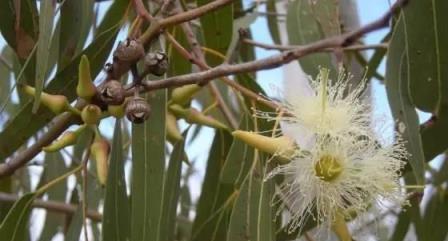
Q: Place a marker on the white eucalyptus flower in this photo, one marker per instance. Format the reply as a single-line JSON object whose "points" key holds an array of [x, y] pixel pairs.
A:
{"points": [[324, 107], [339, 176], [339, 168]]}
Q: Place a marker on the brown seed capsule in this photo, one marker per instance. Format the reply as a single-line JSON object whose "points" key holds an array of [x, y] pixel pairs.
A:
{"points": [[130, 50], [156, 63], [113, 93], [137, 110]]}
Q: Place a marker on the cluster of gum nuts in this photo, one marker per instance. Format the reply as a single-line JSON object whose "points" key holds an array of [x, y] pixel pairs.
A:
{"points": [[109, 97]]}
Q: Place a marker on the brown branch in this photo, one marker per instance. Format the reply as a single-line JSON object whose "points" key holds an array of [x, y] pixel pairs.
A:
{"points": [[141, 10], [60, 124], [275, 60], [158, 25], [292, 47], [52, 206]]}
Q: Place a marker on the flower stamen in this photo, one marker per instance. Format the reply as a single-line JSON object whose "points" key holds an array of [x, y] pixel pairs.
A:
{"points": [[328, 168]]}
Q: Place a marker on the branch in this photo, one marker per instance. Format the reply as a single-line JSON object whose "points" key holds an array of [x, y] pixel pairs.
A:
{"points": [[292, 47], [60, 124], [275, 60], [52, 206]]}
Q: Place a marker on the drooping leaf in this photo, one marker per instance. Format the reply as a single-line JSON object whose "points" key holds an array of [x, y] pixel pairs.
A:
{"points": [[116, 218], [171, 192], [54, 167], [211, 204], [402, 109], [273, 21], [425, 35], [75, 226], [43, 46], [148, 158], [436, 217], [15, 225], [309, 21], [217, 29]]}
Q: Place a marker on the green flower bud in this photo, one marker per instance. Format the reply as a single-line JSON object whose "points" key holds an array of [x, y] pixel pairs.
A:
{"points": [[282, 146], [172, 130], [99, 150], [116, 111], [85, 88], [67, 139], [56, 103], [91, 114], [192, 116], [184, 94]]}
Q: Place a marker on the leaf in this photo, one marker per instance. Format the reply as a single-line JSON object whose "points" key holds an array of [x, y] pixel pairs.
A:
{"points": [[74, 229], [401, 228], [23, 125], [217, 27], [43, 46], [178, 64], [54, 167], [273, 22], [402, 109], [15, 225], [211, 203], [116, 219], [425, 36], [304, 24], [436, 217], [148, 158], [171, 192], [22, 38], [239, 160], [76, 16]]}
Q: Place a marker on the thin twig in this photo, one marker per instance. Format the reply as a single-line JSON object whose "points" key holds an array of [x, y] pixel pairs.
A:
{"points": [[359, 47], [52, 206]]}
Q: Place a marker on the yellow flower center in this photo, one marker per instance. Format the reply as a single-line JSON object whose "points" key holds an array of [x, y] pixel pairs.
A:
{"points": [[328, 168]]}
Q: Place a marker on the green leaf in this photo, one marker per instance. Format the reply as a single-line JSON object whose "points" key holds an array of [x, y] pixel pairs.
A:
{"points": [[54, 167], [273, 21], [22, 126], [178, 64], [43, 48], [401, 228], [210, 209], [116, 220], [239, 160], [74, 229], [425, 36], [402, 109], [148, 158], [15, 225], [23, 38], [304, 24], [252, 215], [76, 16], [436, 217], [217, 27], [171, 191]]}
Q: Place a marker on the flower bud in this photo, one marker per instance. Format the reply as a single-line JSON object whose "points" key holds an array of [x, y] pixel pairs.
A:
{"points": [[129, 51], [156, 63], [113, 93], [116, 111], [85, 88], [183, 95], [137, 110], [56, 103], [91, 114], [172, 130], [67, 139], [192, 115], [99, 150], [282, 146]]}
